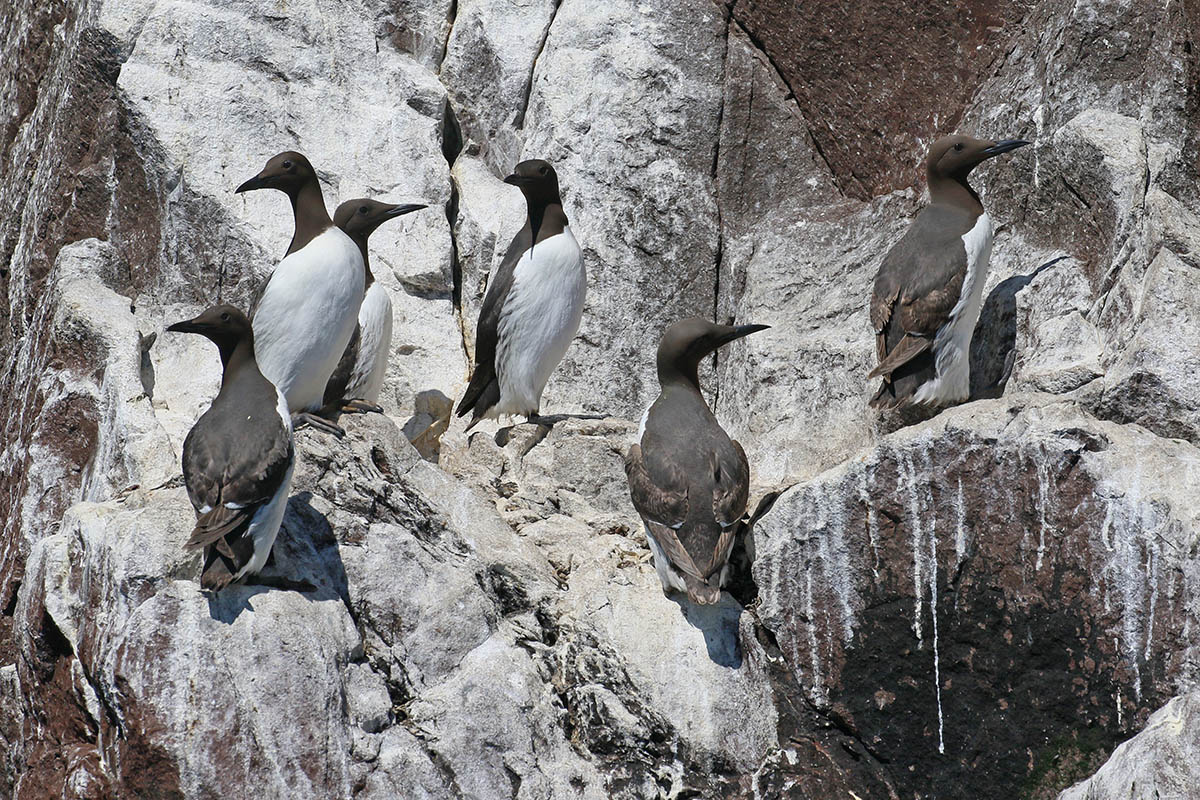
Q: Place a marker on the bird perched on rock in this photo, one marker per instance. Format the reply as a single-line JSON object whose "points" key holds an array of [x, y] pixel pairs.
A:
{"points": [[929, 289], [689, 481], [358, 377], [306, 314], [533, 305], [238, 457]]}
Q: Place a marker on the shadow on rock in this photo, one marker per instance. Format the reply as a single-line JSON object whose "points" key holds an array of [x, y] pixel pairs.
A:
{"points": [[995, 338], [305, 559], [719, 624]]}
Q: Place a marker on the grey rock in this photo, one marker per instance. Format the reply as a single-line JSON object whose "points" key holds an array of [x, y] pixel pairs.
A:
{"points": [[490, 625], [1160, 762]]}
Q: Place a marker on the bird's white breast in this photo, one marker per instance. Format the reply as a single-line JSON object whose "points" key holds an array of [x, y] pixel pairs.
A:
{"points": [[539, 319], [952, 344], [375, 340], [306, 317]]}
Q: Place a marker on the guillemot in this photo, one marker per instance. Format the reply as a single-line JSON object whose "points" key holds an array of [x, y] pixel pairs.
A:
{"points": [[358, 377], [238, 457], [532, 308], [306, 314], [688, 480], [929, 289]]}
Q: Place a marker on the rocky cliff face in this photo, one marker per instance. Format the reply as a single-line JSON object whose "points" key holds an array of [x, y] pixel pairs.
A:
{"points": [[984, 604]]}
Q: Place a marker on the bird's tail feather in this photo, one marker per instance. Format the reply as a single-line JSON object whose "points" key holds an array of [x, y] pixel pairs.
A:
{"points": [[218, 572], [217, 524], [703, 592]]}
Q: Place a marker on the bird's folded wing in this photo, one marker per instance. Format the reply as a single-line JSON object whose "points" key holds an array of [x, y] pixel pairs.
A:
{"points": [[487, 331], [664, 500], [259, 291], [918, 284], [335, 388], [668, 540], [731, 485], [917, 314], [906, 350], [234, 489], [213, 526]]}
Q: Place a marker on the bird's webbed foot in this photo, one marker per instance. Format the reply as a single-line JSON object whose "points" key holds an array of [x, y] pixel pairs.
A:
{"points": [[359, 406], [303, 419]]}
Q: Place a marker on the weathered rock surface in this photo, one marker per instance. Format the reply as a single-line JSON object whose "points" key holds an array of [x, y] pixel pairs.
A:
{"points": [[1160, 762], [984, 604], [1008, 579]]}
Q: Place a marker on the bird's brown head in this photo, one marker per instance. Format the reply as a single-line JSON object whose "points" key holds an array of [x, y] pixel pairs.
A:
{"points": [[955, 156], [224, 325], [288, 172], [537, 180], [951, 160], [685, 344], [359, 218]]}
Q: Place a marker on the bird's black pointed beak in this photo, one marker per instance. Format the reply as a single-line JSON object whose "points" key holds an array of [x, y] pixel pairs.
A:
{"points": [[402, 209], [187, 326], [517, 180], [257, 182], [1006, 146], [738, 331]]}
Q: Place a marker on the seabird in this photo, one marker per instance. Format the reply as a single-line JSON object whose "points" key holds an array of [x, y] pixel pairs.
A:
{"points": [[358, 377], [533, 305], [238, 457], [306, 314], [929, 289], [689, 481]]}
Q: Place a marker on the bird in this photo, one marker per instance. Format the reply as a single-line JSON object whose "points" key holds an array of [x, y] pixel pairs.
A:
{"points": [[688, 480], [358, 377], [238, 457], [929, 289], [306, 313], [532, 308]]}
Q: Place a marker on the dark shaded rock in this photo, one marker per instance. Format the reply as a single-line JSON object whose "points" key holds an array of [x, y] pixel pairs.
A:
{"points": [[983, 587]]}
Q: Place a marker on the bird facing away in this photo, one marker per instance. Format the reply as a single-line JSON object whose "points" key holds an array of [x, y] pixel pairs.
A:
{"points": [[358, 377], [306, 314], [237, 458], [532, 308], [929, 289], [689, 481]]}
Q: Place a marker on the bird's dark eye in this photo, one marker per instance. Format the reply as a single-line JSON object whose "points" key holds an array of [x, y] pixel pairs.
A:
{"points": [[225, 316], [542, 170], [958, 146], [287, 165], [363, 209]]}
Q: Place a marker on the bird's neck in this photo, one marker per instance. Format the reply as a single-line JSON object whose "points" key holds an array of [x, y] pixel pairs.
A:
{"points": [[234, 357], [546, 218], [683, 378], [954, 191], [361, 241], [311, 216]]}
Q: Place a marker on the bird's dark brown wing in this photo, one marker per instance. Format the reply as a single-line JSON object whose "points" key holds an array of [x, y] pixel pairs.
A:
{"points": [[730, 493], [917, 286], [335, 389], [677, 554], [483, 391], [731, 485], [663, 505], [257, 296], [243, 469], [665, 500]]}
